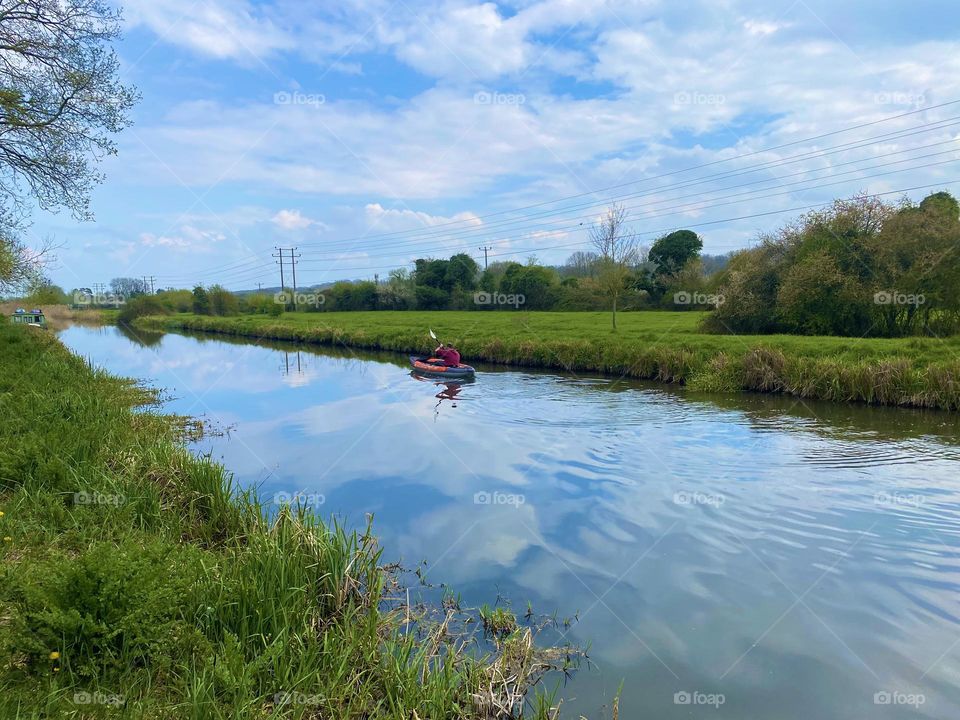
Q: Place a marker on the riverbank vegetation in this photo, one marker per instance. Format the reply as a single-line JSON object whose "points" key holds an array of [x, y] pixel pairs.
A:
{"points": [[660, 345], [135, 581], [860, 268]]}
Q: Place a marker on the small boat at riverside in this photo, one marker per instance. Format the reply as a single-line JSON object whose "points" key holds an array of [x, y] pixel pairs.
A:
{"points": [[34, 318], [436, 368]]}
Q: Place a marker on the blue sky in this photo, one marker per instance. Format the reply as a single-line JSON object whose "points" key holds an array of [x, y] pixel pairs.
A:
{"points": [[371, 132]]}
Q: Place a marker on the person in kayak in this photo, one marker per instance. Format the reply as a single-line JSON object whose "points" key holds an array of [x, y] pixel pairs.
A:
{"points": [[449, 355]]}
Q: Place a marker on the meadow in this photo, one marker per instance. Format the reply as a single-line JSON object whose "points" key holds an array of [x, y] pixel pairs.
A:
{"points": [[661, 345], [136, 581]]}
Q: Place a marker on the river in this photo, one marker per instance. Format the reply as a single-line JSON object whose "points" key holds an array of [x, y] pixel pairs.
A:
{"points": [[726, 557]]}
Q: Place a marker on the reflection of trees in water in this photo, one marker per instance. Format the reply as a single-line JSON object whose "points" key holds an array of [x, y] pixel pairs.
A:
{"points": [[144, 338], [838, 421]]}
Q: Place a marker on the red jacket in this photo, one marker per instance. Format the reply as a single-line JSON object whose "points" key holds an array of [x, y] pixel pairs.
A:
{"points": [[449, 355]]}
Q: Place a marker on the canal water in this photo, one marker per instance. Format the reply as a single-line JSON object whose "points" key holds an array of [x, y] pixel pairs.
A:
{"points": [[726, 557]]}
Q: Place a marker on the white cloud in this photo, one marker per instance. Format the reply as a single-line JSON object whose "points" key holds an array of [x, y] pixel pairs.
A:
{"points": [[760, 27], [221, 29], [292, 220]]}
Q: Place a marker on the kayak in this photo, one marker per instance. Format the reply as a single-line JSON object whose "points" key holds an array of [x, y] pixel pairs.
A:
{"points": [[435, 366]]}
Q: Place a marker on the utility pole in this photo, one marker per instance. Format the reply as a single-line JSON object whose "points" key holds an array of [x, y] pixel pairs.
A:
{"points": [[280, 255], [485, 249], [293, 268]]}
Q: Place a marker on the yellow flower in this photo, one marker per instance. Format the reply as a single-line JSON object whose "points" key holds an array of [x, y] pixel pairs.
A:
{"points": [[8, 539], [54, 655], [1, 513]]}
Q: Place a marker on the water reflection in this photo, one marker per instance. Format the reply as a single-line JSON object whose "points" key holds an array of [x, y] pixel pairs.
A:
{"points": [[798, 558], [447, 390]]}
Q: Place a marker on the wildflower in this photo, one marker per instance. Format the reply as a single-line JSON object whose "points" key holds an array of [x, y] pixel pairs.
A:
{"points": [[54, 655], [1, 513], [8, 539]]}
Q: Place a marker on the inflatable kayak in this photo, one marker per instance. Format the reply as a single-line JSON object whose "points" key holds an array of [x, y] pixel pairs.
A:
{"points": [[435, 366]]}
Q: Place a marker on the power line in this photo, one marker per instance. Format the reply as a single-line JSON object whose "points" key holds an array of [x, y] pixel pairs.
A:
{"points": [[741, 156], [436, 230], [485, 230], [738, 197]]}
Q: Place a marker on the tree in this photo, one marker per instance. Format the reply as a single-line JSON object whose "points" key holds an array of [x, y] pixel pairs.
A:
{"points": [[128, 287], [20, 266], [580, 264], [462, 271], [60, 99], [222, 301], [201, 301], [672, 251], [431, 273], [617, 251]]}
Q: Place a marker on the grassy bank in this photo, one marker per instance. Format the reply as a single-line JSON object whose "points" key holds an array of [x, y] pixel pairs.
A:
{"points": [[665, 346], [135, 582]]}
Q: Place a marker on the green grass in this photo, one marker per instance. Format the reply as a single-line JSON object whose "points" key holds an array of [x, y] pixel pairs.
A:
{"points": [[661, 345], [136, 582]]}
